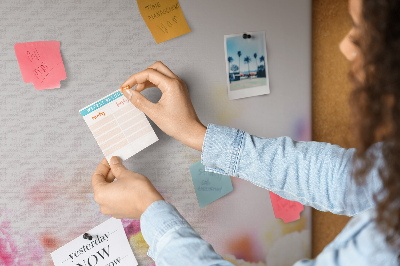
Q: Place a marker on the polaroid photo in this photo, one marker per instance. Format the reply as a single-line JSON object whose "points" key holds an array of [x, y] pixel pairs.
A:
{"points": [[246, 64]]}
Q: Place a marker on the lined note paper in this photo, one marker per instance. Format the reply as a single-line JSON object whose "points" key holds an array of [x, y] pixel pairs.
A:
{"points": [[41, 63], [118, 126], [164, 18]]}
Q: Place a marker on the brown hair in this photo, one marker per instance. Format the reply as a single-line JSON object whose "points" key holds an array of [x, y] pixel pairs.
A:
{"points": [[375, 102]]}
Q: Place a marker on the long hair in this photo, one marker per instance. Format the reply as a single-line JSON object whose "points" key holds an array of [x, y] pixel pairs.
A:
{"points": [[375, 103]]}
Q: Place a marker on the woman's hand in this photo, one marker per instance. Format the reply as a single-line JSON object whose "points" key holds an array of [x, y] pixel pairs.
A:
{"points": [[174, 112], [127, 197]]}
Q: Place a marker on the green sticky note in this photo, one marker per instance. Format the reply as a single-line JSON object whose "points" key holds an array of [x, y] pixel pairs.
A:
{"points": [[209, 186]]}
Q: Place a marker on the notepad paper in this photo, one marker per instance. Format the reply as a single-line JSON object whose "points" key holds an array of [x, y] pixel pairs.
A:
{"points": [[118, 126], [41, 63], [209, 186], [164, 18], [284, 209], [108, 246]]}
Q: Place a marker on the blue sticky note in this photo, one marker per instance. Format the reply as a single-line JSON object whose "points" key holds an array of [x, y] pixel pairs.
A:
{"points": [[209, 186]]}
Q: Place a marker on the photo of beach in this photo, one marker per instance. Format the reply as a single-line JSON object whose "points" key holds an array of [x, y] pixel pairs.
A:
{"points": [[246, 63]]}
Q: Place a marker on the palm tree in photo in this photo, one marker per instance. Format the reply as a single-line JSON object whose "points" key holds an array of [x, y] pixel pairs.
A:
{"points": [[230, 60], [234, 68], [247, 60], [262, 59], [239, 54], [255, 58]]}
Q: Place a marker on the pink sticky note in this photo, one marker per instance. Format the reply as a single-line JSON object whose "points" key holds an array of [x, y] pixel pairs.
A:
{"points": [[41, 63], [284, 209]]}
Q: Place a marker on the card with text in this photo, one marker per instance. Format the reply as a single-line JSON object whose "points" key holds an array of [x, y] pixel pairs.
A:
{"points": [[41, 63], [108, 246], [118, 126], [164, 18], [209, 186]]}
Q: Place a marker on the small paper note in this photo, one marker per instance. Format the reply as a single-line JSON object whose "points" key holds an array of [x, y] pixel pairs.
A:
{"points": [[41, 63], [209, 186], [164, 18], [284, 209], [108, 246], [118, 126]]}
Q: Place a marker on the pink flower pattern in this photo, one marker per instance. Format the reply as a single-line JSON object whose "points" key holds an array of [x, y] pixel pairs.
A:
{"points": [[8, 249]]}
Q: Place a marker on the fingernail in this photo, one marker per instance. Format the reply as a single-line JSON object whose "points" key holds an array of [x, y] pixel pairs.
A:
{"points": [[115, 160], [129, 92]]}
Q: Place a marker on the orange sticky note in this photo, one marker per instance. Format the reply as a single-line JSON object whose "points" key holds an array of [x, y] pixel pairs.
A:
{"points": [[164, 18], [41, 63], [284, 209]]}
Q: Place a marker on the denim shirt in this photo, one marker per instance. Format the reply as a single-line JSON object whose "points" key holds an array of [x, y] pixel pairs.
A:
{"points": [[313, 173]]}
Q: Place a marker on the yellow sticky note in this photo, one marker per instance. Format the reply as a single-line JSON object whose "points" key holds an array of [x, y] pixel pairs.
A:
{"points": [[164, 18]]}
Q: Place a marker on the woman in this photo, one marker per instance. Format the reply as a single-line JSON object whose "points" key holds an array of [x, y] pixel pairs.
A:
{"points": [[362, 182]]}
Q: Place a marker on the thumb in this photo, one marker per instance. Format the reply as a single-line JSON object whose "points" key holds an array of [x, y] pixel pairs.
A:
{"points": [[139, 101], [100, 174], [117, 167]]}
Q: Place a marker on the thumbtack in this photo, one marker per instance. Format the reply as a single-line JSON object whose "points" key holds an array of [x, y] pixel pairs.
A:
{"points": [[246, 36], [87, 236], [125, 88]]}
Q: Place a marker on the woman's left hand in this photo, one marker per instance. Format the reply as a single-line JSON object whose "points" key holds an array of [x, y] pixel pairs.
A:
{"points": [[127, 197]]}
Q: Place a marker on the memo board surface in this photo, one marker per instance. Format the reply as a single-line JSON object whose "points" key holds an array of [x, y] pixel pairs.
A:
{"points": [[48, 153]]}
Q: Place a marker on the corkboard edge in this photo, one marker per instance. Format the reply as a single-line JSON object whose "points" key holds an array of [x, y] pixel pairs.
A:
{"points": [[330, 94]]}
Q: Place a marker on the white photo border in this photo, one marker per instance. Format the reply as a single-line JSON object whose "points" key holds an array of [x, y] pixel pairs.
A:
{"points": [[247, 92]]}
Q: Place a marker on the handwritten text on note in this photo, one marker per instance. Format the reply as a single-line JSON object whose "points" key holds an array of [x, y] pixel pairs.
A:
{"points": [[41, 63], [284, 209], [164, 19], [209, 186]]}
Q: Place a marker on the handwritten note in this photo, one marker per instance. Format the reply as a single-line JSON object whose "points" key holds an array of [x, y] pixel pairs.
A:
{"points": [[41, 63], [118, 126], [284, 209], [164, 18], [108, 246], [209, 186]]}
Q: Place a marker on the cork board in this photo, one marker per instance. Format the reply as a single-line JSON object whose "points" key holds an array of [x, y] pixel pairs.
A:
{"points": [[330, 97]]}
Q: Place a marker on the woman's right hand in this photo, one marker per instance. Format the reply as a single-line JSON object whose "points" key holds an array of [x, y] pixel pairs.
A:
{"points": [[173, 113]]}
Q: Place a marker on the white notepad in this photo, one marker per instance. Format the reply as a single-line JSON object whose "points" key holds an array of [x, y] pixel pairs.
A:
{"points": [[118, 126]]}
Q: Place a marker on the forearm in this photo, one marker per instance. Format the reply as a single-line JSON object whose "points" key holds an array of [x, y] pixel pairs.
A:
{"points": [[172, 240], [312, 173]]}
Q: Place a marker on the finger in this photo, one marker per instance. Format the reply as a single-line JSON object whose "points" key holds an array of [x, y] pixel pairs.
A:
{"points": [[142, 86], [100, 174], [160, 67], [159, 80], [110, 177], [117, 167], [140, 102]]}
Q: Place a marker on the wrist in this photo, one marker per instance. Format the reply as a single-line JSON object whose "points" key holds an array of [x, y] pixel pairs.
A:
{"points": [[148, 202], [196, 136]]}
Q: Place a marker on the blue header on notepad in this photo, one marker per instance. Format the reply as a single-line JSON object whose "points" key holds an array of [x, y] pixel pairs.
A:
{"points": [[100, 103]]}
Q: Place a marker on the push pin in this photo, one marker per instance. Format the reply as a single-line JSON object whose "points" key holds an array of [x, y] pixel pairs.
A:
{"points": [[125, 88], [87, 236], [246, 36]]}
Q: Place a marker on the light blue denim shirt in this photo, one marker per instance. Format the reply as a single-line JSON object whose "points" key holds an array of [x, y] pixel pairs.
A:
{"points": [[312, 173]]}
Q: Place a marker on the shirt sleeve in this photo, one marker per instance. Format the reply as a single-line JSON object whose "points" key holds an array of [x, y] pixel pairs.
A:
{"points": [[173, 241], [313, 173]]}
